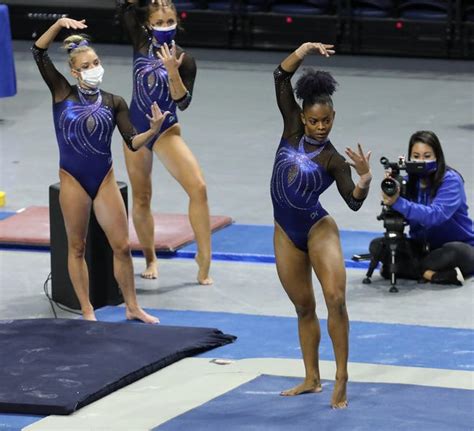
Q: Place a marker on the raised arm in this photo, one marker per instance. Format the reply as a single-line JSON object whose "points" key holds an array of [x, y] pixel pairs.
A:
{"points": [[128, 15], [57, 83], [286, 101], [133, 140]]}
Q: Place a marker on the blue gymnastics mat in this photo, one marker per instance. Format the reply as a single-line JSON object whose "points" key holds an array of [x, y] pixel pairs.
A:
{"points": [[257, 405], [254, 243], [56, 366], [372, 343], [5, 214]]}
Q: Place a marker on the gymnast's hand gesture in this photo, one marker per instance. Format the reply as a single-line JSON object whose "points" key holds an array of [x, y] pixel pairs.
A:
{"points": [[72, 24], [169, 57], [314, 48], [360, 161], [157, 117]]}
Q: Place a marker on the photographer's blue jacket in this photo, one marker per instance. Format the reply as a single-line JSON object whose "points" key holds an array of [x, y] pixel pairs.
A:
{"points": [[442, 219]]}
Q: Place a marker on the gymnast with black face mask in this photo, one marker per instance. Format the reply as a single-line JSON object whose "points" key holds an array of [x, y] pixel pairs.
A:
{"points": [[306, 236]]}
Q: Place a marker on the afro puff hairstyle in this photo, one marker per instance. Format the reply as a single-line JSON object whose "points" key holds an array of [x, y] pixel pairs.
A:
{"points": [[315, 87]]}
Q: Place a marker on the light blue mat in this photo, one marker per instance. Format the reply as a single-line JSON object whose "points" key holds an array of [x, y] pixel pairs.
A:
{"points": [[257, 405]]}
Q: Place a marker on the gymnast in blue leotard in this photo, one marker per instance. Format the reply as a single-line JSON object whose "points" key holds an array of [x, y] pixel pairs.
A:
{"points": [[84, 119], [163, 73], [306, 164]]}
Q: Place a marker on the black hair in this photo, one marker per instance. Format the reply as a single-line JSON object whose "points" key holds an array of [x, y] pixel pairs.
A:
{"points": [[315, 87], [436, 178]]}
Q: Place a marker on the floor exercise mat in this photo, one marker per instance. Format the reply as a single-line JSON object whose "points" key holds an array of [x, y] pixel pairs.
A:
{"points": [[257, 405], [30, 227], [370, 342], [254, 243], [56, 366]]}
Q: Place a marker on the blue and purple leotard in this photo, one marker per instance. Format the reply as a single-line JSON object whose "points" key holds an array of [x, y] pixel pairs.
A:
{"points": [[150, 77], [84, 122], [304, 168]]}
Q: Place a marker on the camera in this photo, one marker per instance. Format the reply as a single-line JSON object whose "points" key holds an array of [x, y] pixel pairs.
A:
{"points": [[394, 241], [394, 221], [390, 184]]}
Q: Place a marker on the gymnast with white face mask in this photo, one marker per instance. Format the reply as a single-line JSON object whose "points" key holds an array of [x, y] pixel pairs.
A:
{"points": [[84, 118]]}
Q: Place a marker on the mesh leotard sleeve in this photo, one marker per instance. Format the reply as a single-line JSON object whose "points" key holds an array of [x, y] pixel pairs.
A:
{"points": [[187, 71], [57, 83], [287, 104], [341, 172], [122, 119], [127, 15]]}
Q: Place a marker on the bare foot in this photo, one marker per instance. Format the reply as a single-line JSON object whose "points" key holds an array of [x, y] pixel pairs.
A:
{"points": [[339, 398], [139, 314], [151, 271], [89, 315], [306, 387], [203, 273]]}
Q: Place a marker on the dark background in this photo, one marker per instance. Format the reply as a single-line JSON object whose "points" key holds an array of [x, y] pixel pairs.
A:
{"points": [[420, 28]]}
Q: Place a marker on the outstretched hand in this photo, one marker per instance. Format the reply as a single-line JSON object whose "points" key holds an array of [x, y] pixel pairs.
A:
{"points": [[315, 48], [157, 117], [73, 24], [360, 161], [169, 57]]}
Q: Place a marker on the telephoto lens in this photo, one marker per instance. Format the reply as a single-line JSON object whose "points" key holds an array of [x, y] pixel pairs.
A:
{"points": [[389, 186]]}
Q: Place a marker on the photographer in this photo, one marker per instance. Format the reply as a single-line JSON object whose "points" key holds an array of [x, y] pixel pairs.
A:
{"points": [[436, 210]]}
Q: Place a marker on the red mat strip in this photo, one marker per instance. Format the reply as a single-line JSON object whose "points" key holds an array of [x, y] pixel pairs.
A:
{"points": [[31, 227]]}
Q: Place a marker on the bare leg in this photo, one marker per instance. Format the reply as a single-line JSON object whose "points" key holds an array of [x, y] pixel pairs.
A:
{"points": [[139, 167], [294, 271], [328, 263], [182, 165], [110, 213], [76, 207]]}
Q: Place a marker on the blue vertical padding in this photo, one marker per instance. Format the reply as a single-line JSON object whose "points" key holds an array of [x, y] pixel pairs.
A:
{"points": [[7, 64]]}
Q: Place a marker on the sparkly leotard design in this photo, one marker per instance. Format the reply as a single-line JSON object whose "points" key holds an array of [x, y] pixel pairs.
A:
{"points": [[84, 122], [81, 123], [150, 77], [297, 181], [150, 84]]}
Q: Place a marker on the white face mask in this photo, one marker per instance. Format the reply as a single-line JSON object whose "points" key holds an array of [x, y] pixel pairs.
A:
{"points": [[93, 77]]}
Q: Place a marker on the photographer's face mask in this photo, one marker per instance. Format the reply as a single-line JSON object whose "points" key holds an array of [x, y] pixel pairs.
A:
{"points": [[430, 166]]}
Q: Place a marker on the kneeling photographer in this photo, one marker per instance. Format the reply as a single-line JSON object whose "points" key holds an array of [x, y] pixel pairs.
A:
{"points": [[441, 243]]}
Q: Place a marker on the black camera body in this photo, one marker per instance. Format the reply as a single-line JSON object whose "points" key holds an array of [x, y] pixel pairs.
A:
{"points": [[389, 185], [393, 220]]}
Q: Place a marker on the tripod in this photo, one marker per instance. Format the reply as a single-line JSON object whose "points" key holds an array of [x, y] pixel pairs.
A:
{"points": [[391, 243]]}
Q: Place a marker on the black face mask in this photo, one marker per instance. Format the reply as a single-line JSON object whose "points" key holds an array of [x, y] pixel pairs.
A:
{"points": [[430, 166]]}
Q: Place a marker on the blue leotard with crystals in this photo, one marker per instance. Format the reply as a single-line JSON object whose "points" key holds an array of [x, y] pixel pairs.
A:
{"points": [[150, 77], [304, 168], [84, 123]]}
